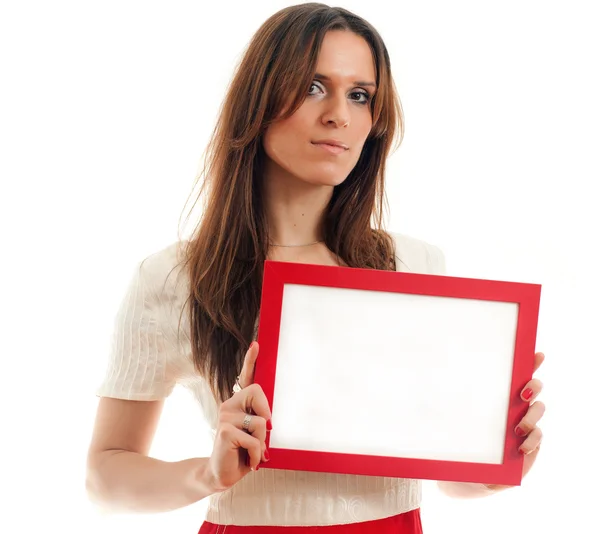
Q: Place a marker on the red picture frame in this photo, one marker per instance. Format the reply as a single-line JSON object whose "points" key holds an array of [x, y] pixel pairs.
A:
{"points": [[278, 275]]}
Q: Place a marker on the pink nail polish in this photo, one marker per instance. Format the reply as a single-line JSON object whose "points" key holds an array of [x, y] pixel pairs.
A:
{"points": [[527, 394], [519, 431], [269, 425]]}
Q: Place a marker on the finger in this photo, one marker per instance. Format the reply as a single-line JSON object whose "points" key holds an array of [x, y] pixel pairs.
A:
{"points": [[253, 400], [247, 374], [242, 440], [531, 390], [257, 426], [533, 415], [532, 442], [538, 360]]}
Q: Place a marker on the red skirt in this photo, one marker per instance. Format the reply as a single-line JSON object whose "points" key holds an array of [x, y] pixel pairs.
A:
{"points": [[407, 523]]}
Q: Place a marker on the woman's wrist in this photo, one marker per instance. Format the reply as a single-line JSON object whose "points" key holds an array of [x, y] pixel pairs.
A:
{"points": [[202, 482]]}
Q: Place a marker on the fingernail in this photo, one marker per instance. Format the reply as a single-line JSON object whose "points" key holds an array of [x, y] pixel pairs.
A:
{"points": [[519, 431], [269, 425], [527, 394], [522, 451], [267, 455]]}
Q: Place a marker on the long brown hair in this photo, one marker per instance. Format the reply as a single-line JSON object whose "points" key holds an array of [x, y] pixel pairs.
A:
{"points": [[225, 255]]}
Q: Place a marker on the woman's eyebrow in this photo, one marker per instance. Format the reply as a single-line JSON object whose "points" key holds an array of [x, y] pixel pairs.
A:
{"points": [[327, 78]]}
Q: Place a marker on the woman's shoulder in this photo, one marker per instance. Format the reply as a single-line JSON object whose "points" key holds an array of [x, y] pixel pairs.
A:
{"points": [[162, 271], [417, 255]]}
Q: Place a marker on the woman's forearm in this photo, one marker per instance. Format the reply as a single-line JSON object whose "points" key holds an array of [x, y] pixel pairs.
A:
{"points": [[466, 490], [123, 481]]}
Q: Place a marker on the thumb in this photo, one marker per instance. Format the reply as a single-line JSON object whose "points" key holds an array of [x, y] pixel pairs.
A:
{"points": [[247, 374]]}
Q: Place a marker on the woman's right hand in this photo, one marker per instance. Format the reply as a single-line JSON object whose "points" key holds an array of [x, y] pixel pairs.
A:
{"points": [[236, 452]]}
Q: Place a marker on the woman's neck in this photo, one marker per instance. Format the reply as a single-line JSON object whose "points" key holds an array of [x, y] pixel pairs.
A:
{"points": [[295, 210]]}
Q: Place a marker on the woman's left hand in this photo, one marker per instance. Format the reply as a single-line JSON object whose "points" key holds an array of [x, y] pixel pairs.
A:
{"points": [[527, 427]]}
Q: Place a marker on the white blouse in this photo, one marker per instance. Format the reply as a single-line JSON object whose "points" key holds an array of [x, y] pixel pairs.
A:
{"points": [[151, 353]]}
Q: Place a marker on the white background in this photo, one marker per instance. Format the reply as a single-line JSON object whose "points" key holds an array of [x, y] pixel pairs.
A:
{"points": [[422, 351], [105, 109]]}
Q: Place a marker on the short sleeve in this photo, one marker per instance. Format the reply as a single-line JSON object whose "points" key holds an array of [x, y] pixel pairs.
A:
{"points": [[436, 260], [418, 256], [139, 361]]}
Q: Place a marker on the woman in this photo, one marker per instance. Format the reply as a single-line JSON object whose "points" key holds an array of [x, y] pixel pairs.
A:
{"points": [[295, 173]]}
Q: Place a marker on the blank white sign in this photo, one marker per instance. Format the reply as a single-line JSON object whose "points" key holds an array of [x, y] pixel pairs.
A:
{"points": [[393, 374]]}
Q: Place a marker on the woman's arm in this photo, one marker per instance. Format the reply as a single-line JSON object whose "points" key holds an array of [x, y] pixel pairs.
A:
{"points": [[120, 475], [466, 490], [124, 481]]}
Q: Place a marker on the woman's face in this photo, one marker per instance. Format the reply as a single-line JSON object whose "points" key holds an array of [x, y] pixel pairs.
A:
{"points": [[337, 107]]}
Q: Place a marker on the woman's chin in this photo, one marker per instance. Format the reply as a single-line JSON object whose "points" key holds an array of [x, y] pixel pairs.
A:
{"points": [[330, 180]]}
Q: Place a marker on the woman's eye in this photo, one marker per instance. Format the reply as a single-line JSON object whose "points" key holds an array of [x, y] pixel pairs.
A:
{"points": [[364, 95], [311, 86], [363, 99]]}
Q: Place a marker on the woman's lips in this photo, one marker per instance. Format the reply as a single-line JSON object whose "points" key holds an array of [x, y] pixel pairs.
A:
{"points": [[332, 149]]}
